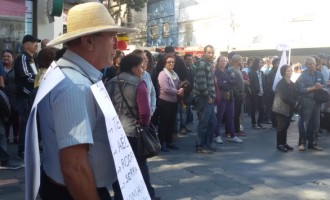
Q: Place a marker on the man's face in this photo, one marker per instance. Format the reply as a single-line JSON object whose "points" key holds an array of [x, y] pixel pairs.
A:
{"points": [[31, 47], [189, 60], [312, 66], [209, 54], [103, 48]]}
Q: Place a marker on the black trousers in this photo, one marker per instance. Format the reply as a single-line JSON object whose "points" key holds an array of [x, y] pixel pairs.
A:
{"points": [[257, 103], [237, 112], [167, 117], [49, 190], [283, 123]]}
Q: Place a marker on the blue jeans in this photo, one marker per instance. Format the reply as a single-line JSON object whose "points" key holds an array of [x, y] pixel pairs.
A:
{"points": [[206, 122], [182, 110], [309, 121]]}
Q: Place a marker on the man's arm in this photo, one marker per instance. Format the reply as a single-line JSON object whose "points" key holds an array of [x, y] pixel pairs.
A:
{"points": [[21, 69], [77, 173]]}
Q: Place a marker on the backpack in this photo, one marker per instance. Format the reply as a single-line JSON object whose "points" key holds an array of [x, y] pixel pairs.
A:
{"points": [[5, 109]]}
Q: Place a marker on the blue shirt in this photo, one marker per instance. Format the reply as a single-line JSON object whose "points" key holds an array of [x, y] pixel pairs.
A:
{"points": [[69, 115], [308, 79]]}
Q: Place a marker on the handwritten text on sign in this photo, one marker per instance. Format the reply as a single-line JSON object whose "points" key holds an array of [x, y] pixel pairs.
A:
{"points": [[128, 172]]}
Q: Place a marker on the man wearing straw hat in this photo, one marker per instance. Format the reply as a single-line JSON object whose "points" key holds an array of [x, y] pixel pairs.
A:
{"points": [[77, 161]]}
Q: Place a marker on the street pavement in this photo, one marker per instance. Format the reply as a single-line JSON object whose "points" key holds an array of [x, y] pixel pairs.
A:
{"points": [[252, 170]]}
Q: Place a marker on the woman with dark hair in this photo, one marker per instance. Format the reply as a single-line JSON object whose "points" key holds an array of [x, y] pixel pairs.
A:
{"points": [[134, 90], [285, 102], [45, 58], [168, 103], [257, 86], [10, 87], [151, 62], [147, 79]]}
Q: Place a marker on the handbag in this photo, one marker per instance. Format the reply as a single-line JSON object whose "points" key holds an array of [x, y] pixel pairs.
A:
{"points": [[321, 96], [148, 144]]}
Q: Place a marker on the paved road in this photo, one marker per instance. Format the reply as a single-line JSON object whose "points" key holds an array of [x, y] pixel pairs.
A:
{"points": [[251, 170]]}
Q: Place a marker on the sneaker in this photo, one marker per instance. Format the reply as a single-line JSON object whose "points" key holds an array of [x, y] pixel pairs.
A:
{"points": [[282, 148], [261, 126], [218, 140], [301, 147], [241, 127], [235, 139], [316, 147], [11, 165], [288, 147]]}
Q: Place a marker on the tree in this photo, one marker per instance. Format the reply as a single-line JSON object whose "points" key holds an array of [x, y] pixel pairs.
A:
{"points": [[136, 5]]}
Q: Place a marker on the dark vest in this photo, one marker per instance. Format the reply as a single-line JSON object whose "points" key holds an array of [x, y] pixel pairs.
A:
{"points": [[128, 83]]}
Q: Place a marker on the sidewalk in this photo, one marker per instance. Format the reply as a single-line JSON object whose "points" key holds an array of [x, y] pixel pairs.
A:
{"points": [[254, 169]]}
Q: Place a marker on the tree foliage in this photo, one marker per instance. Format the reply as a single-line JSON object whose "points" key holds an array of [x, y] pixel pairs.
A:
{"points": [[136, 5]]}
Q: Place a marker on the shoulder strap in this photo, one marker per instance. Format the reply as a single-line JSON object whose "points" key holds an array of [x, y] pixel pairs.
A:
{"points": [[121, 92], [82, 73]]}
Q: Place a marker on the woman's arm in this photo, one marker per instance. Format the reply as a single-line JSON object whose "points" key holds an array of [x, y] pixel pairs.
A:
{"points": [[143, 103]]}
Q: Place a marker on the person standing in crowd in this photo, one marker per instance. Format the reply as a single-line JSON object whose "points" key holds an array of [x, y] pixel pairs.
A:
{"points": [[247, 89], [267, 66], [77, 162], [168, 82], [204, 93], [225, 106], [296, 72], [270, 117], [45, 58], [2, 83], [147, 79], [25, 72], [238, 91], [179, 68], [285, 102], [323, 68], [129, 85], [257, 84], [43, 43], [191, 69], [10, 87], [151, 62], [308, 82]]}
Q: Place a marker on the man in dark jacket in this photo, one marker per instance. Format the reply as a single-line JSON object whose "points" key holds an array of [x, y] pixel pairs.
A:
{"points": [[25, 72], [257, 85], [270, 94]]}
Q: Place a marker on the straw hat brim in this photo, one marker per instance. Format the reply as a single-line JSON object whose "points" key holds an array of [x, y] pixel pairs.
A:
{"points": [[82, 32]]}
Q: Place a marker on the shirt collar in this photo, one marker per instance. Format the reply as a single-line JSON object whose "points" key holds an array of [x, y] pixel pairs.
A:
{"points": [[85, 67]]}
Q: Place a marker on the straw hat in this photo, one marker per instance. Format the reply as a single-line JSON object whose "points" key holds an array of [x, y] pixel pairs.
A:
{"points": [[88, 18]]}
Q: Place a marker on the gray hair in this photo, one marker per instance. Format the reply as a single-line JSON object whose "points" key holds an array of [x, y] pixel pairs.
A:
{"points": [[309, 60]]}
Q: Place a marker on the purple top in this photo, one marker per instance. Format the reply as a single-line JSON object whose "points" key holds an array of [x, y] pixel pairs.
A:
{"points": [[143, 103], [168, 91]]}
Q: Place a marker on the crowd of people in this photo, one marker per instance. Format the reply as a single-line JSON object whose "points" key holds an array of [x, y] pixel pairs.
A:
{"points": [[162, 90]]}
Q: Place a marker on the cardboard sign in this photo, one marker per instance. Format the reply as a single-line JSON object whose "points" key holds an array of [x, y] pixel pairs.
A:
{"points": [[128, 172]]}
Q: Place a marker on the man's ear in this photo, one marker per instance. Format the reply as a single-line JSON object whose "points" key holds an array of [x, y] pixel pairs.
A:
{"points": [[88, 42]]}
